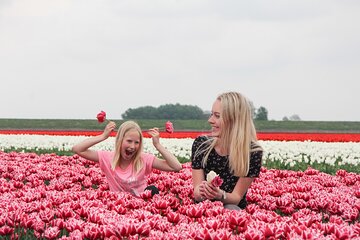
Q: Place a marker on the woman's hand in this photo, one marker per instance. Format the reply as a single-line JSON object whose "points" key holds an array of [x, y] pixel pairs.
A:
{"points": [[208, 191]]}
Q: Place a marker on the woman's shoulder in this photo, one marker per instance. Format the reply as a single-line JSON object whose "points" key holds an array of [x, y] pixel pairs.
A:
{"points": [[256, 149], [202, 138]]}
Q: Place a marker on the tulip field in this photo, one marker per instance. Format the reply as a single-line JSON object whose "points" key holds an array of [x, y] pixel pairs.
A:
{"points": [[308, 188]]}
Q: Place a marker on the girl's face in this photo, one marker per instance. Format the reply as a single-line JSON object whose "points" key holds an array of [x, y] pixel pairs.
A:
{"points": [[130, 145], [215, 119]]}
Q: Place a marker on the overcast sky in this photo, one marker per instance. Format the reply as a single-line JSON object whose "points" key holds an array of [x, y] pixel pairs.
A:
{"points": [[73, 58]]}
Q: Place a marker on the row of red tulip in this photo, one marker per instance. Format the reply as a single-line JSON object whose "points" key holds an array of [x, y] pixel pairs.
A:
{"points": [[273, 136]]}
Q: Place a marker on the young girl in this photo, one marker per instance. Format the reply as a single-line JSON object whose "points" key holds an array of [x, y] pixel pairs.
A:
{"points": [[231, 151], [126, 168]]}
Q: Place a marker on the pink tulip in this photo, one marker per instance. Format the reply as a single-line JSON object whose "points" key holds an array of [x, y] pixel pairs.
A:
{"points": [[52, 232], [46, 215], [92, 232], [169, 127], [341, 173], [6, 230], [146, 195], [342, 233], [173, 217], [120, 209], [212, 224], [311, 171], [238, 223], [143, 229], [195, 211], [350, 214], [95, 218], [269, 231], [39, 226], [253, 234], [160, 203], [217, 181], [221, 234], [58, 222], [124, 230]]}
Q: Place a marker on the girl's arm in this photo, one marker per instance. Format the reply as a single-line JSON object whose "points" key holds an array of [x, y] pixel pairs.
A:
{"points": [[82, 148], [170, 162]]}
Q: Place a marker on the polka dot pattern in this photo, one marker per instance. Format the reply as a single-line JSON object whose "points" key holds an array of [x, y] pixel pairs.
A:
{"points": [[220, 165]]}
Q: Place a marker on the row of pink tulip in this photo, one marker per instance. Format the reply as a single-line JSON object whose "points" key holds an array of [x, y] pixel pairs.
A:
{"points": [[53, 197]]}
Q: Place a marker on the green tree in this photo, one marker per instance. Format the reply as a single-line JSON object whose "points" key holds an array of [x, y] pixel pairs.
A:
{"points": [[167, 111], [253, 109], [261, 114], [147, 112]]}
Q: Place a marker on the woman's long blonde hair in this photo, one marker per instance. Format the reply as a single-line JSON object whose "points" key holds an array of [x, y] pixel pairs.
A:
{"points": [[123, 129], [237, 132]]}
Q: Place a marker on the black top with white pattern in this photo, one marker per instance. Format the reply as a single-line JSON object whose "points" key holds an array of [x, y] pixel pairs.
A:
{"points": [[220, 165]]}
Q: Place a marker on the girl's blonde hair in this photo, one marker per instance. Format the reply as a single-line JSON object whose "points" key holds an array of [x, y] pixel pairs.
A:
{"points": [[238, 132], [123, 129]]}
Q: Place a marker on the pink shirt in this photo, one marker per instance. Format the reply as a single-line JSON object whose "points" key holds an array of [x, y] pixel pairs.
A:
{"points": [[125, 180]]}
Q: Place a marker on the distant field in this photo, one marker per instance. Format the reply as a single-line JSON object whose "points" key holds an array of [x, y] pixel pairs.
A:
{"points": [[180, 125]]}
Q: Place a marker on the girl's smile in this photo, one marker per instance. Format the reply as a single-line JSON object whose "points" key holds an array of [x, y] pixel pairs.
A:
{"points": [[130, 145]]}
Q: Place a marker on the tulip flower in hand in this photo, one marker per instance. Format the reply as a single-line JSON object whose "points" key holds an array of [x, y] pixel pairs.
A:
{"points": [[169, 127], [101, 117], [214, 179]]}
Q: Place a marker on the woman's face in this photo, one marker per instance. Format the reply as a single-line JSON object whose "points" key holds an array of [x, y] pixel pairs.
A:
{"points": [[130, 145], [215, 119]]}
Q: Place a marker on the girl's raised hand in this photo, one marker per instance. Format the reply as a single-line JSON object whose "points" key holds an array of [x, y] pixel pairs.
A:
{"points": [[109, 128]]}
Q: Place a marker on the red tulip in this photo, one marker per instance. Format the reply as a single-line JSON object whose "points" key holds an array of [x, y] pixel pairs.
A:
{"points": [[101, 116]]}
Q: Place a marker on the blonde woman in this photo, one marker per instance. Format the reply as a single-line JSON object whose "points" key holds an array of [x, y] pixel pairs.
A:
{"points": [[127, 166], [231, 151]]}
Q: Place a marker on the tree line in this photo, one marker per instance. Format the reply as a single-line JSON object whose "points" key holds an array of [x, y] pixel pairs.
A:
{"points": [[180, 112]]}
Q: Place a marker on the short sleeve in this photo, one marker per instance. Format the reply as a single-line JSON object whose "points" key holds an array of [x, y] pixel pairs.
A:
{"points": [[105, 158], [255, 163], [148, 160], [196, 158]]}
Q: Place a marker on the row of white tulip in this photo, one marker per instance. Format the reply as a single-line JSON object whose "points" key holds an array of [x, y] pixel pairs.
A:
{"points": [[287, 152]]}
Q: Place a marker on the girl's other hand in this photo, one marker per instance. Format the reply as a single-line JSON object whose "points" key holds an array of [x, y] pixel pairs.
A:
{"points": [[155, 135]]}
